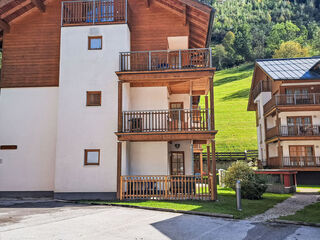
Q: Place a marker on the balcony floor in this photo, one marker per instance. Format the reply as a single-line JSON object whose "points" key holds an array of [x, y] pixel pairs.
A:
{"points": [[166, 136]]}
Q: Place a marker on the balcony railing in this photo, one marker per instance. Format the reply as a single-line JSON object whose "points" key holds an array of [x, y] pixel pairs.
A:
{"points": [[207, 2], [166, 120], [294, 131], [166, 60], [301, 161], [262, 86], [292, 100], [166, 187], [93, 12]]}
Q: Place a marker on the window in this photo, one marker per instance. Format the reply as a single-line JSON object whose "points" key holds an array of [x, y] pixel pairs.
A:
{"points": [[177, 163], [92, 157], [95, 43], [94, 98]]}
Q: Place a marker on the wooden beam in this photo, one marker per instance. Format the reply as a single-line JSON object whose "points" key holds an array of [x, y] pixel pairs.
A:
{"points": [[119, 166], [208, 159], [211, 104], [4, 26], [119, 106], [185, 17], [214, 169], [40, 5], [16, 8], [147, 3]]}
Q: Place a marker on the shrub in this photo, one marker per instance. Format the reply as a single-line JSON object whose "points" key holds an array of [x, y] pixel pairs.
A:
{"points": [[252, 186]]}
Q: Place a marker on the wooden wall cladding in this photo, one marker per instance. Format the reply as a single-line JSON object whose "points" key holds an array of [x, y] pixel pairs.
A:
{"points": [[151, 26], [32, 48]]}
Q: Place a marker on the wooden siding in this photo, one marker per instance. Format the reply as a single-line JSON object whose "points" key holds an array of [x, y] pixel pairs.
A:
{"points": [[32, 48], [150, 27]]}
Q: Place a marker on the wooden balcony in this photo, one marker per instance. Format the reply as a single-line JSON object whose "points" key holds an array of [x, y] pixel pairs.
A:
{"points": [[298, 101], [262, 86], [305, 163], [300, 131], [301, 162], [159, 124], [167, 187], [164, 60], [94, 12]]}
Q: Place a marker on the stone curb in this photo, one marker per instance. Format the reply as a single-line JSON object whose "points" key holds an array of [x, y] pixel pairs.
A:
{"points": [[296, 223], [220, 215]]}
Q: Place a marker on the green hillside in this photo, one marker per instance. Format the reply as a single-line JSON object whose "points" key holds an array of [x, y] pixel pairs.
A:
{"points": [[236, 126]]}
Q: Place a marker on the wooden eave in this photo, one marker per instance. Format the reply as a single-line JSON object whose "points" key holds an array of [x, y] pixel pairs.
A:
{"points": [[292, 138], [188, 81], [198, 16], [166, 136], [13, 9]]}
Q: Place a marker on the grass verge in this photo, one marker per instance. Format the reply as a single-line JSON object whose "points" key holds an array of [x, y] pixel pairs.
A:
{"points": [[314, 188], [225, 205], [310, 214]]}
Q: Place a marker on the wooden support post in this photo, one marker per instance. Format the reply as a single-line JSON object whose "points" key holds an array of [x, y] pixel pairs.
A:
{"points": [[120, 106], [201, 164], [214, 171], [4, 26], [207, 112], [119, 166], [211, 104], [147, 3], [40, 5], [208, 159]]}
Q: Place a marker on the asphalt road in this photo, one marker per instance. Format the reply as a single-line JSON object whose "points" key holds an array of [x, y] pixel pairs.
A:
{"points": [[58, 220]]}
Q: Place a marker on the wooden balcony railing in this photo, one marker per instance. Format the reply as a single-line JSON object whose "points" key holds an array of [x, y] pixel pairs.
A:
{"points": [[293, 131], [166, 120], [166, 60], [262, 86], [93, 12], [292, 100], [274, 162], [301, 162], [166, 187]]}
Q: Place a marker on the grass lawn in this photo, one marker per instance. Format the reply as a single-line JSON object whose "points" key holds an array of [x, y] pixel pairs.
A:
{"points": [[313, 187], [310, 214], [226, 204], [236, 126]]}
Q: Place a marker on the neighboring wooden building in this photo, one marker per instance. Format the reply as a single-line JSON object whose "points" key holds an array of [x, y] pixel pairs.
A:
{"points": [[285, 93], [101, 98]]}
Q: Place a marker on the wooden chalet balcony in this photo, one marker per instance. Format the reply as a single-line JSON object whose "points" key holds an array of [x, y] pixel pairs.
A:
{"points": [[166, 60], [262, 86], [288, 100], [169, 187], [302, 162], [294, 131], [94, 12], [158, 124]]}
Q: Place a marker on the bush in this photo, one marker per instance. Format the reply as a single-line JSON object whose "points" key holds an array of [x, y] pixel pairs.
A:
{"points": [[252, 186]]}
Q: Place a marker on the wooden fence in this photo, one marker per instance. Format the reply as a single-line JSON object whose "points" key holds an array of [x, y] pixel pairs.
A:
{"points": [[166, 187]]}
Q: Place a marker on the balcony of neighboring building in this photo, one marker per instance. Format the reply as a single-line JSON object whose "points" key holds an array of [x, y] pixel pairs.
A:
{"points": [[289, 132], [96, 12], [311, 163], [262, 86], [293, 102]]}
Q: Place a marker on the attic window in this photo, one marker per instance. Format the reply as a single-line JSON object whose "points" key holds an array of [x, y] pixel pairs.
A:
{"points": [[94, 98], [95, 43]]}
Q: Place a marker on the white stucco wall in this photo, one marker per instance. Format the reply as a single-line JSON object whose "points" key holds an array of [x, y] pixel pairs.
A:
{"points": [[149, 158], [148, 98], [315, 115], [273, 150], [261, 100], [185, 98], [28, 119], [81, 127], [285, 145], [185, 146]]}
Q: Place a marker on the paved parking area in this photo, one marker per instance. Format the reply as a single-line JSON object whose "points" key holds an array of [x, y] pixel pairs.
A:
{"points": [[58, 220]]}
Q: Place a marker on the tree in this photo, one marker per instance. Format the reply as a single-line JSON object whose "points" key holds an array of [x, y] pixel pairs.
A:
{"points": [[219, 56], [242, 43], [228, 42], [291, 49]]}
